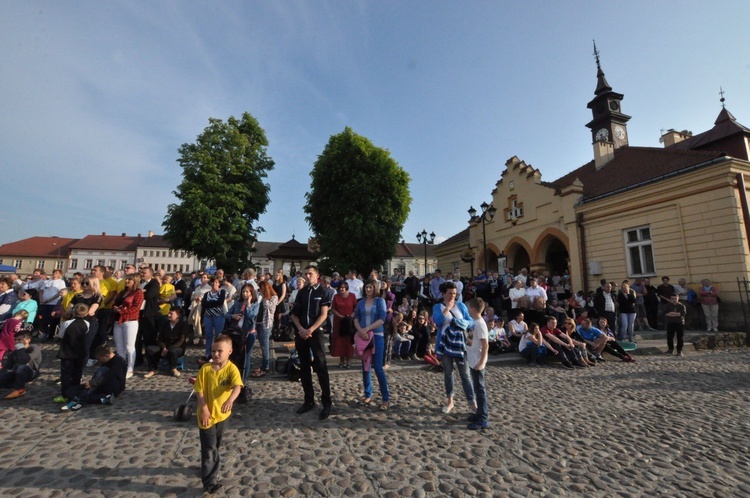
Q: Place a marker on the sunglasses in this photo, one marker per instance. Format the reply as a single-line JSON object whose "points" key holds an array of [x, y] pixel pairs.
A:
{"points": [[86, 283]]}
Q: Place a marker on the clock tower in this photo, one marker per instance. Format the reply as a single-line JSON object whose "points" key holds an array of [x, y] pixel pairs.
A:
{"points": [[609, 124]]}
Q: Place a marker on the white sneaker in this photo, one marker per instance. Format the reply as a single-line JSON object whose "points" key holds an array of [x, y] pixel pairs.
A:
{"points": [[129, 375]]}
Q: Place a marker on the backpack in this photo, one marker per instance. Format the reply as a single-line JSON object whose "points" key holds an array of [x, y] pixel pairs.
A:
{"points": [[293, 367]]}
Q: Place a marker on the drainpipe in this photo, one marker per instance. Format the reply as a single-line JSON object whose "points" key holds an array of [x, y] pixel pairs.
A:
{"points": [[743, 202], [584, 261]]}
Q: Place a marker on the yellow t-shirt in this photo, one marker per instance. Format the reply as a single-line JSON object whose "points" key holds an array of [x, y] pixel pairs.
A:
{"points": [[108, 286], [67, 299], [216, 387], [165, 291]]}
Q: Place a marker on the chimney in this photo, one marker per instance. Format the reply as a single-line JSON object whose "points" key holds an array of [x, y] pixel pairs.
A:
{"points": [[123, 234], [150, 233], [104, 233], [604, 152], [139, 236], [672, 136]]}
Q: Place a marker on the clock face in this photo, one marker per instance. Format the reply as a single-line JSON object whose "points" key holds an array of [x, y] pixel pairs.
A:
{"points": [[602, 135], [614, 105], [620, 132]]}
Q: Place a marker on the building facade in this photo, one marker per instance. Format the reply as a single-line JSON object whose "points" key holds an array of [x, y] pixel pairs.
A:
{"points": [[632, 212], [46, 253]]}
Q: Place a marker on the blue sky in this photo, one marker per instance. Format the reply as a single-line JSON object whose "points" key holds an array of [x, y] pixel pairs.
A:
{"points": [[98, 96]]}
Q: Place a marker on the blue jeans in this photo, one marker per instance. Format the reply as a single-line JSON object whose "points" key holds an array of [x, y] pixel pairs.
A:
{"points": [[462, 366], [377, 364], [249, 343], [477, 379], [264, 338], [212, 326], [627, 323]]}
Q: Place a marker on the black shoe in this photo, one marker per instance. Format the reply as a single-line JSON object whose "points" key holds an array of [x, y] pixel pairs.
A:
{"points": [[306, 407], [668, 351], [212, 488], [325, 412], [472, 418], [568, 366]]}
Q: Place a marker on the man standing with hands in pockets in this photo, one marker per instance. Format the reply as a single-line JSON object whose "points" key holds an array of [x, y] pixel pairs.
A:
{"points": [[310, 312]]}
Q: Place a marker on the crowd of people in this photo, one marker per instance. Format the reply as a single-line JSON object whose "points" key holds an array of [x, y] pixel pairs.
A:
{"points": [[451, 323]]}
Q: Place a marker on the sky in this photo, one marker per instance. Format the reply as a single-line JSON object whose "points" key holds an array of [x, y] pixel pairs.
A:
{"points": [[98, 96]]}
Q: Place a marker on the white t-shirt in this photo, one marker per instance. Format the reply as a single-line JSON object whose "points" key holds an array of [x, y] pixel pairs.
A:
{"points": [[515, 295], [355, 287], [459, 290], [474, 350], [50, 288]]}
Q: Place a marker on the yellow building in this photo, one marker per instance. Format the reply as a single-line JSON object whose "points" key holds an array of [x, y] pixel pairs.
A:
{"points": [[632, 212]]}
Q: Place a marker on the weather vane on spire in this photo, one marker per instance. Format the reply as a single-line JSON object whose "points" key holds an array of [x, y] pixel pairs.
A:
{"points": [[721, 92], [596, 55]]}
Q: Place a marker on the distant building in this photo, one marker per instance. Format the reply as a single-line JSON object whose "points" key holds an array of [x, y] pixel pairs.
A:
{"points": [[107, 250], [47, 253], [154, 251]]}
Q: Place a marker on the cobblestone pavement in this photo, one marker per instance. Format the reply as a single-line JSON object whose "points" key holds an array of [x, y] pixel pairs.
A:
{"points": [[665, 426]]}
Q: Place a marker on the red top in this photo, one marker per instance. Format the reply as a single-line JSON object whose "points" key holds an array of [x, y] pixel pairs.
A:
{"points": [[130, 307], [556, 332]]}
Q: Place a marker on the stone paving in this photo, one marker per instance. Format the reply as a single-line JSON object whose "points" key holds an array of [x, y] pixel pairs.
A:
{"points": [[665, 426]]}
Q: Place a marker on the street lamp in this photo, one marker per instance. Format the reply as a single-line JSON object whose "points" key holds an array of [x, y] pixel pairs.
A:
{"points": [[488, 213], [424, 240]]}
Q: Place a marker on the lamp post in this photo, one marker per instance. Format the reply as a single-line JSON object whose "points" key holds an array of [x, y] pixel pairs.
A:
{"points": [[488, 213], [423, 238]]}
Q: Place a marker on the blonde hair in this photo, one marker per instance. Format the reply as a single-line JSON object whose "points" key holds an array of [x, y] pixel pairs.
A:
{"points": [[22, 314]]}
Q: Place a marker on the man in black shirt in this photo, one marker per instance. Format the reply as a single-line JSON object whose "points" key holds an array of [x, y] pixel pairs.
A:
{"points": [[309, 314]]}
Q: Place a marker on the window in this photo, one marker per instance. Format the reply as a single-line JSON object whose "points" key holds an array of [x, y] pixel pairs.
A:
{"points": [[59, 265], [170, 253], [100, 262], [19, 263], [40, 264], [113, 263], [74, 264], [88, 264], [187, 268], [640, 251], [123, 264], [151, 254], [180, 267], [182, 254], [169, 267], [164, 254]]}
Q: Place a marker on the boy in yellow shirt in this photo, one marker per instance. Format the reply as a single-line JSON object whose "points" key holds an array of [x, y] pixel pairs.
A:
{"points": [[217, 386]]}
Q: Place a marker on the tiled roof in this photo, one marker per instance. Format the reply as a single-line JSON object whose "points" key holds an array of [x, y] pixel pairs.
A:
{"points": [[292, 249], [154, 241], [106, 242], [417, 251], [463, 234], [263, 248], [721, 137], [45, 247], [632, 166]]}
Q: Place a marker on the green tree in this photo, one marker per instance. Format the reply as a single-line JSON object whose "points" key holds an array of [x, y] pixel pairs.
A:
{"points": [[358, 202], [222, 193]]}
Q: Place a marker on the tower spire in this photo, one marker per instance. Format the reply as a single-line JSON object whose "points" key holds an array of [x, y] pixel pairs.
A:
{"points": [[601, 82], [722, 99]]}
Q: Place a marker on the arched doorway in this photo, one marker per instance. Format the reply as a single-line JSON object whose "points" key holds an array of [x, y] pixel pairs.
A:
{"points": [[551, 252], [518, 256], [492, 254]]}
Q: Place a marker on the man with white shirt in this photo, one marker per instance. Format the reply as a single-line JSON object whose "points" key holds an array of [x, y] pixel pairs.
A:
{"points": [[49, 297], [459, 286], [355, 284]]}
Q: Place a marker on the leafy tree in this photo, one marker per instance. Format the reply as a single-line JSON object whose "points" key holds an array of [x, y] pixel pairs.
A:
{"points": [[358, 202], [222, 193]]}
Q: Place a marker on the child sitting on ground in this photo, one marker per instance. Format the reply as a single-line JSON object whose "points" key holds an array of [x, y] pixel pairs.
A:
{"points": [[217, 386], [402, 342], [11, 327], [107, 382], [497, 336], [20, 366]]}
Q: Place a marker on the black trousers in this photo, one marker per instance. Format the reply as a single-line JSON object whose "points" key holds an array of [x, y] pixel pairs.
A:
{"points": [[312, 357], [104, 383], [153, 356], [18, 377], [71, 371], [615, 349], [210, 456], [672, 329], [146, 336]]}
